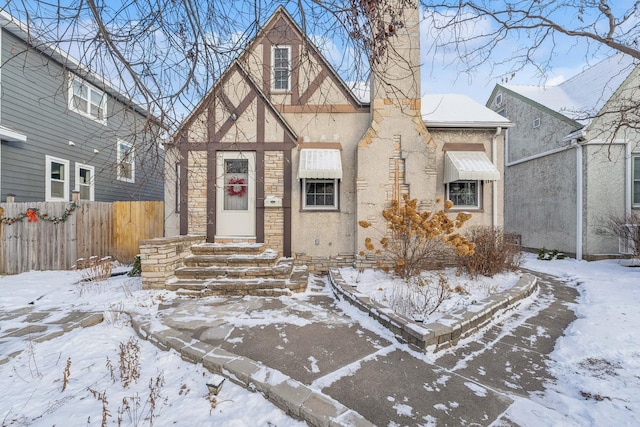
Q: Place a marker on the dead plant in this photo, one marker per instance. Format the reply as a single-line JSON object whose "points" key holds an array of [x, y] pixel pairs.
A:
{"points": [[129, 362], [66, 374], [495, 252]]}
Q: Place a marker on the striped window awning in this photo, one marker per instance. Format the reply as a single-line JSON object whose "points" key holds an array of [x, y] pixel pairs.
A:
{"points": [[316, 163], [9, 134], [469, 166]]}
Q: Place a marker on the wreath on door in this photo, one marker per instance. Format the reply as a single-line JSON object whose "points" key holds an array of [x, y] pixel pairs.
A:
{"points": [[236, 187]]}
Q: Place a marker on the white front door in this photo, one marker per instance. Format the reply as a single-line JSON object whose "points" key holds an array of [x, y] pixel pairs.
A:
{"points": [[236, 194]]}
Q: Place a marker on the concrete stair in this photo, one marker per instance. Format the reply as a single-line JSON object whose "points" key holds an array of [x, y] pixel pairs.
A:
{"points": [[238, 269]]}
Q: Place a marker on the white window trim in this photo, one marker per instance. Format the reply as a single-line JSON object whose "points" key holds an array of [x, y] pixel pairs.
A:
{"points": [[90, 89], [47, 185], [132, 161], [635, 176], [91, 182], [477, 206], [273, 69], [336, 187]]}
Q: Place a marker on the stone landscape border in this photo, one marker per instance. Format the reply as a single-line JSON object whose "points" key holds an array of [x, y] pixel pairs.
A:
{"points": [[446, 331]]}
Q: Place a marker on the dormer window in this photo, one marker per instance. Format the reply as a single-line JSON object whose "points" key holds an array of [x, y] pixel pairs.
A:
{"points": [[281, 68], [87, 100]]}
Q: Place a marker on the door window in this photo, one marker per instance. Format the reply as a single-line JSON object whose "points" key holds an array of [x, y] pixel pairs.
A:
{"points": [[236, 182]]}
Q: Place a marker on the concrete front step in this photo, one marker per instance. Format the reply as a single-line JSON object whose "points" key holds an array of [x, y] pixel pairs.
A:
{"points": [[228, 248], [280, 271], [266, 258], [257, 287]]}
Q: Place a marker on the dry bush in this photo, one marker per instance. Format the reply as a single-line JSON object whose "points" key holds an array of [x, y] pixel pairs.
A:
{"points": [[129, 362], [415, 240], [420, 297], [94, 269], [495, 252]]}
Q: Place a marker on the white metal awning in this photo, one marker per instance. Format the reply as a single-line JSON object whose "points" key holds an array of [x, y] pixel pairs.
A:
{"points": [[319, 163], [469, 165], [9, 134]]}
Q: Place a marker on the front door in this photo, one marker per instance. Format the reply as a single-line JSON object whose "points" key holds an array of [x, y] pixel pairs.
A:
{"points": [[236, 194]]}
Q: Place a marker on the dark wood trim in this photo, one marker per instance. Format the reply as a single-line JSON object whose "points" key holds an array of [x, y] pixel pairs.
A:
{"points": [[239, 110], [320, 145], [313, 87], [286, 204], [462, 146], [183, 158], [211, 176], [259, 183], [328, 108]]}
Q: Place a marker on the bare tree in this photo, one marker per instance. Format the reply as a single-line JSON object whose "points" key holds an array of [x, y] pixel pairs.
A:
{"points": [[511, 36], [476, 29]]}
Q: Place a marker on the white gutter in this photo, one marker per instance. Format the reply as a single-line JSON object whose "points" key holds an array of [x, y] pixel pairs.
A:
{"points": [[494, 184], [627, 180]]}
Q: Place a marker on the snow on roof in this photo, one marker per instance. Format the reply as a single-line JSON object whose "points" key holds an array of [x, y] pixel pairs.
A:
{"points": [[455, 110], [585, 93]]}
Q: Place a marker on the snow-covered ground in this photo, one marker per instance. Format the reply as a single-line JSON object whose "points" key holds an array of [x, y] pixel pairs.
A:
{"points": [[437, 294], [596, 363]]}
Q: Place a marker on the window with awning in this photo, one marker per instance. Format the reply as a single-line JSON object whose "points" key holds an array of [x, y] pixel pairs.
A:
{"points": [[469, 166], [320, 164]]}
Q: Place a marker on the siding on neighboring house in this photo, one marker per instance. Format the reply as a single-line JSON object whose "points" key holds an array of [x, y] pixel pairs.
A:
{"points": [[34, 101], [565, 178]]}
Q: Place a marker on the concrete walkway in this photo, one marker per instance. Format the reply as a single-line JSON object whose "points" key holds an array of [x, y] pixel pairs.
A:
{"points": [[316, 358]]}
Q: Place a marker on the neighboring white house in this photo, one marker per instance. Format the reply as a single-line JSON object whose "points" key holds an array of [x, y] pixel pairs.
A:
{"points": [[567, 169]]}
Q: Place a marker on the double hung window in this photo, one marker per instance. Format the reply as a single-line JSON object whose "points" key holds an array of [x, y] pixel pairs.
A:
{"points": [[87, 100]]}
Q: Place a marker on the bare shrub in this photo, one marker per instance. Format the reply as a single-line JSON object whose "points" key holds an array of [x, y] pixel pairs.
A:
{"points": [[420, 297], [66, 374], [495, 252], [94, 269], [129, 362], [627, 229]]}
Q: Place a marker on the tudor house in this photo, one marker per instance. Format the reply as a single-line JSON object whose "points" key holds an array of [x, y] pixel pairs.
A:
{"points": [[281, 152]]}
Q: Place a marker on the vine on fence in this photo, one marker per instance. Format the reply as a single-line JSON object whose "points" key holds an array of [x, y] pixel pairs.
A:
{"points": [[34, 215]]}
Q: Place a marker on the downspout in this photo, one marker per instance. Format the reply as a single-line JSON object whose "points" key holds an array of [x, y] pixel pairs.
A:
{"points": [[627, 180], [494, 184], [579, 204]]}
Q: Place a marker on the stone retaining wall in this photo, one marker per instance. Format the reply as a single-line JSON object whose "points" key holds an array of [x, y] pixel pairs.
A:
{"points": [[449, 329], [160, 257]]}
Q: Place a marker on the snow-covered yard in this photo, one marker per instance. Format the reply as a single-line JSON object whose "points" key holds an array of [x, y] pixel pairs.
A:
{"points": [[431, 297], [596, 363]]}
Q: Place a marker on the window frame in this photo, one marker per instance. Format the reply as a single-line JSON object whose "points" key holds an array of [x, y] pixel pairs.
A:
{"points": [[336, 194], [274, 80], [478, 195], [635, 178], [92, 181], [48, 179], [90, 91], [119, 160]]}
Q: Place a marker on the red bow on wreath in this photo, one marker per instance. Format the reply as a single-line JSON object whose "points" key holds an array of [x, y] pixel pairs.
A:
{"points": [[236, 187], [31, 213]]}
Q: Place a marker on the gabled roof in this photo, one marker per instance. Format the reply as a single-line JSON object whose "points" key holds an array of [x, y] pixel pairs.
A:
{"points": [[455, 110], [236, 63], [586, 93], [23, 32]]}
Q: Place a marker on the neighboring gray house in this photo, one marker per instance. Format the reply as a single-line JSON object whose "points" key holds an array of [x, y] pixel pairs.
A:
{"points": [[566, 170], [65, 129]]}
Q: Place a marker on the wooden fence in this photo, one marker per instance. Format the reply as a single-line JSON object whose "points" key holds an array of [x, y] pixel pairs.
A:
{"points": [[54, 235]]}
